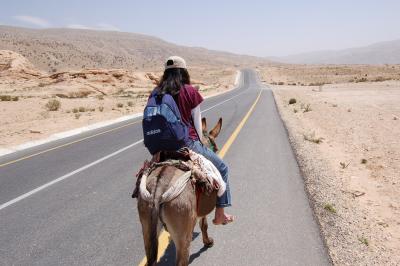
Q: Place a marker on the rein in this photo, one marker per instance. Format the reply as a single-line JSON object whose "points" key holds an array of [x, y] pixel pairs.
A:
{"points": [[207, 136]]}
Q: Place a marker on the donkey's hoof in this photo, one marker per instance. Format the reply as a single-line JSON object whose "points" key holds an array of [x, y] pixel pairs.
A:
{"points": [[209, 243]]}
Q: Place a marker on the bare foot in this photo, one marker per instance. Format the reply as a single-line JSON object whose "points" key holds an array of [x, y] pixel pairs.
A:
{"points": [[222, 218]]}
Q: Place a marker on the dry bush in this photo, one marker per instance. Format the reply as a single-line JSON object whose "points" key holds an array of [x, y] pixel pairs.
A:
{"points": [[79, 94], [120, 105], [312, 138], [306, 108], [380, 79], [292, 101], [101, 108], [361, 80], [130, 104], [330, 208], [53, 105], [82, 109], [321, 83], [8, 98], [344, 165]]}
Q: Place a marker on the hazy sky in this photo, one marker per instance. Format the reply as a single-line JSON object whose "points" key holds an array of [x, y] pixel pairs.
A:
{"points": [[263, 28]]}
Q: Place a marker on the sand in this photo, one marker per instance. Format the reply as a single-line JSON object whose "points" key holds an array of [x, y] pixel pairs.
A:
{"points": [[352, 175], [86, 96]]}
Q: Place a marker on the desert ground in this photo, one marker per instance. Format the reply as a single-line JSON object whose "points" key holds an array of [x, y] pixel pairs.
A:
{"points": [[342, 120], [344, 126], [36, 104]]}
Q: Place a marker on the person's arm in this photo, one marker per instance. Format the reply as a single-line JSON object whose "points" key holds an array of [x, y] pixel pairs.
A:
{"points": [[196, 115]]}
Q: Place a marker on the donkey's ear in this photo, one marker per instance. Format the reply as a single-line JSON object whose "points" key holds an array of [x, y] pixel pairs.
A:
{"points": [[204, 124], [215, 131]]}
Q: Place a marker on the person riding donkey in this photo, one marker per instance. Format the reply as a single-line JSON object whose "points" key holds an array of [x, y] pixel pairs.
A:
{"points": [[185, 180], [175, 82]]}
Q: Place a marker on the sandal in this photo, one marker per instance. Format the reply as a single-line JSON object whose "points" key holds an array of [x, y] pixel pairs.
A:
{"points": [[226, 221]]}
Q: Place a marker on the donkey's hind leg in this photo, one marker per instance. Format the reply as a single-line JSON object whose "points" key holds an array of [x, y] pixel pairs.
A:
{"points": [[147, 230], [207, 241], [180, 226], [183, 245]]}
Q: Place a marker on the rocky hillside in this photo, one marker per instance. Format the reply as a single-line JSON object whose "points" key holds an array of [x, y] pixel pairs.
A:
{"points": [[379, 53], [55, 50]]}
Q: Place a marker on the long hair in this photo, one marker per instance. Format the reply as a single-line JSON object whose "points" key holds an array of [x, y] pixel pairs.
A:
{"points": [[173, 80]]}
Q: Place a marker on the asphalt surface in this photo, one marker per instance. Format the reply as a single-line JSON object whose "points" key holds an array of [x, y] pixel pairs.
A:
{"points": [[86, 217]]}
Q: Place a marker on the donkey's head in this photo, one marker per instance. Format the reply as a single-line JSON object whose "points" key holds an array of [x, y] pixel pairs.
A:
{"points": [[209, 137]]}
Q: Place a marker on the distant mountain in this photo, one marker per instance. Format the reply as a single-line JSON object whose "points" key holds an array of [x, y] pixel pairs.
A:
{"points": [[378, 53], [65, 49]]}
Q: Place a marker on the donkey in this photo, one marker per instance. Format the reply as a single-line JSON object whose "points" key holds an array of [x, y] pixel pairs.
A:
{"points": [[179, 215]]}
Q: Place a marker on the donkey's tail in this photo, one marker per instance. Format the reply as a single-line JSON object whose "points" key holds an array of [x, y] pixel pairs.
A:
{"points": [[154, 233]]}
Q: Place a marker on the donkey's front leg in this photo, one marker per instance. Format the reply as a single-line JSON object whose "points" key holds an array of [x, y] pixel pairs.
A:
{"points": [[208, 241]]}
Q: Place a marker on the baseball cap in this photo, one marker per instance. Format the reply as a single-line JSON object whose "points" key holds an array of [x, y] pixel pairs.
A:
{"points": [[175, 62]]}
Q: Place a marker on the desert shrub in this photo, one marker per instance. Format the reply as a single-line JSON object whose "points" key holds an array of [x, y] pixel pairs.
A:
{"points": [[363, 161], [363, 240], [130, 104], [100, 97], [79, 94], [329, 207], [292, 101], [344, 165], [117, 75], [75, 110], [312, 138], [82, 109], [9, 98], [380, 79], [120, 105], [101, 108], [361, 80], [62, 95], [320, 83], [77, 116], [281, 83], [53, 105], [307, 108]]}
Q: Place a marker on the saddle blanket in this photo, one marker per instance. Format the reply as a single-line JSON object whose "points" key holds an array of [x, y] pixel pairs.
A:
{"points": [[209, 170]]}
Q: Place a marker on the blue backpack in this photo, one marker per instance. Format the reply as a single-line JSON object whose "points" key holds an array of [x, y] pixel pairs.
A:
{"points": [[163, 128]]}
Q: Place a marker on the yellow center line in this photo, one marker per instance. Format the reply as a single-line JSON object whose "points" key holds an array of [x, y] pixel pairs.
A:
{"points": [[164, 238], [66, 144]]}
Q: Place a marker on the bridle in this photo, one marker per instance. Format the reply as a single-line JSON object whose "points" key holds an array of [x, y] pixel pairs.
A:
{"points": [[210, 142]]}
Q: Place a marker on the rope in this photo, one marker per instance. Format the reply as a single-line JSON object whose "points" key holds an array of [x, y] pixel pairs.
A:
{"points": [[179, 185], [176, 189], [172, 192]]}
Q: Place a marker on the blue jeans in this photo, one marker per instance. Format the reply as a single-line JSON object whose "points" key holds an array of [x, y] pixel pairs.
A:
{"points": [[197, 146]]}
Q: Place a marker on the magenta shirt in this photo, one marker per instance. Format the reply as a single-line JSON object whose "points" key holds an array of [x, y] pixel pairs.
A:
{"points": [[188, 99]]}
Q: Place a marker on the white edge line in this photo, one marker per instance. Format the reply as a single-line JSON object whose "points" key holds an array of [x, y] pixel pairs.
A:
{"points": [[73, 132], [30, 193], [224, 101], [69, 133]]}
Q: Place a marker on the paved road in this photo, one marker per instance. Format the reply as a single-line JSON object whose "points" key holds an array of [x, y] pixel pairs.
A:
{"points": [[83, 214]]}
